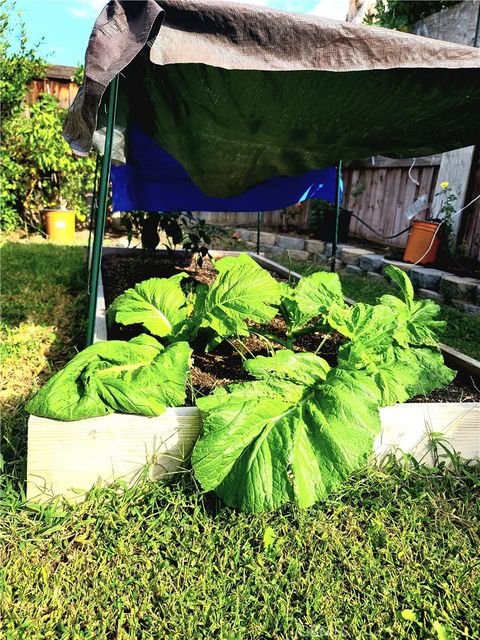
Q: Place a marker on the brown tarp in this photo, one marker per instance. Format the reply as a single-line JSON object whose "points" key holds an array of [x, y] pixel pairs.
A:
{"points": [[241, 93]]}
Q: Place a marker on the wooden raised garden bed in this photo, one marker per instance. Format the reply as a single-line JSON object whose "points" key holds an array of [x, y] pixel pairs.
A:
{"points": [[68, 458]]}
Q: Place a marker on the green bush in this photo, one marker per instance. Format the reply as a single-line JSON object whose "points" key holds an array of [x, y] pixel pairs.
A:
{"points": [[37, 169]]}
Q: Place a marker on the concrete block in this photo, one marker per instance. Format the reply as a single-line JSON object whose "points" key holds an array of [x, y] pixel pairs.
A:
{"points": [[377, 277], [328, 249], [425, 278], [371, 262], [351, 268], [467, 307], [267, 238], [352, 255], [404, 266], [458, 288], [273, 250], [297, 255], [315, 246], [291, 242], [431, 295], [244, 234]]}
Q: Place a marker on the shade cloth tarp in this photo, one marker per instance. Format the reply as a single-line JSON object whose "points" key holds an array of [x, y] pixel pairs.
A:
{"points": [[240, 94], [154, 181]]}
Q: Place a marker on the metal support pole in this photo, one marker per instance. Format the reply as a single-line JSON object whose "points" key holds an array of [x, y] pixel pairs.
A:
{"points": [[259, 222], [101, 210], [93, 215], [337, 216]]}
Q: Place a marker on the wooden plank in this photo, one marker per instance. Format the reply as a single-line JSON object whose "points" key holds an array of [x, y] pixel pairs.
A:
{"points": [[407, 428], [455, 169], [100, 329], [396, 163], [390, 208], [68, 458]]}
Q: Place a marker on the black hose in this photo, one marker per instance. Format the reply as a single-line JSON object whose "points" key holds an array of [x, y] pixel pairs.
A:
{"points": [[380, 234]]}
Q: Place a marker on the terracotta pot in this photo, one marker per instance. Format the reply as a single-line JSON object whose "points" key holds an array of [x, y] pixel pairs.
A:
{"points": [[60, 224], [419, 241]]}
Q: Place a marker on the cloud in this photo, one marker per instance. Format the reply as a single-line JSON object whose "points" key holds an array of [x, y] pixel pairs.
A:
{"points": [[87, 8], [80, 13], [334, 9]]}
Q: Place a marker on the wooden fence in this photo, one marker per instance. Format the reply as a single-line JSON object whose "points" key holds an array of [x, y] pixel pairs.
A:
{"points": [[379, 191]]}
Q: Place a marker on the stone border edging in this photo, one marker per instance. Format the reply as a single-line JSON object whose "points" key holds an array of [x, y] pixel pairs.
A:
{"points": [[437, 285]]}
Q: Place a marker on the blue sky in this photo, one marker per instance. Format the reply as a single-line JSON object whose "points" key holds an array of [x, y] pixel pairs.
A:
{"points": [[65, 25]]}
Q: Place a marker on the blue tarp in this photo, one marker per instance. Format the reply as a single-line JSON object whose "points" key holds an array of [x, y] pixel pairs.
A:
{"points": [[152, 180]]}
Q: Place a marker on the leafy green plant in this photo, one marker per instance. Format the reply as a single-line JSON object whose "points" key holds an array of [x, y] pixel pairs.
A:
{"points": [[399, 15], [208, 314], [139, 376], [37, 169], [299, 427], [180, 228]]}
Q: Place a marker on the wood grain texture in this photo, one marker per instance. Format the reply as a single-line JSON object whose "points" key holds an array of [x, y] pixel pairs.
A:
{"points": [[65, 458], [68, 458]]}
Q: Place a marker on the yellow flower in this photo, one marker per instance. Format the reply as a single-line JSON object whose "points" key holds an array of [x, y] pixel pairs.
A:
{"points": [[444, 185]]}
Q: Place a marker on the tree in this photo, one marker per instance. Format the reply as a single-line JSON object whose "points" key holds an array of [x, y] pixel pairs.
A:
{"points": [[398, 14], [37, 168]]}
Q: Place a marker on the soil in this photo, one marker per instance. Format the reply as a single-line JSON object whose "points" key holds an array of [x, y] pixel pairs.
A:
{"points": [[224, 365]]}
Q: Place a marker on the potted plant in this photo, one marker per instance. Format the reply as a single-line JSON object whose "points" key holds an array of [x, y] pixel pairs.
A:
{"points": [[428, 236]]}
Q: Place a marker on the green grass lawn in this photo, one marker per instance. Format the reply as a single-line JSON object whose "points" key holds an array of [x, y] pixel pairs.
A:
{"points": [[393, 554]]}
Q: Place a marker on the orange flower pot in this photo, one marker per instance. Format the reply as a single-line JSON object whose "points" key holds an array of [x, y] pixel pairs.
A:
{"points": [[419, 241], [60, 224]]}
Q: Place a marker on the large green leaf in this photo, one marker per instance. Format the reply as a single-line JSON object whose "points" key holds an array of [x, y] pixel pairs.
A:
{"points": [[370, 327], [139, 376], [316, 293], [417, 324], [301, 368], [242, 290], [262, 447], [159, 304], [294, 318], [421, 369]]}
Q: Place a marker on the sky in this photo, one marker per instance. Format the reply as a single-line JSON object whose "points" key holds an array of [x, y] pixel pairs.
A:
{"points": [[62, 27]]}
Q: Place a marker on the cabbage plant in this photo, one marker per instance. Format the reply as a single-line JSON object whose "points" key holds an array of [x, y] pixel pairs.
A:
{"points": [[299, 427]]}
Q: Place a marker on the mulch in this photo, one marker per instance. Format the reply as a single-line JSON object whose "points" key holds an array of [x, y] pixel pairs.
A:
{"points": [[224, 365]]}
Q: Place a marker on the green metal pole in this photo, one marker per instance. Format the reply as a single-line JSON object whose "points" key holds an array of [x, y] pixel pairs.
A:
{"points": [[93, 215], [102, 210], [337, 217], [259, 222]]}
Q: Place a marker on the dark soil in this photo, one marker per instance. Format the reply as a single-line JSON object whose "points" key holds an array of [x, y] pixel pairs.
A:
{"points": [[224, 365]]}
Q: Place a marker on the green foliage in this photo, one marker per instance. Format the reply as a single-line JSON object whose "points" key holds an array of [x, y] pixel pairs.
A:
{"points": [[37, 169], [218, 311], [289, 441], [19, 67], [399, 14], [139, 376], [159, 304], [180, 228], [300, 431]]}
